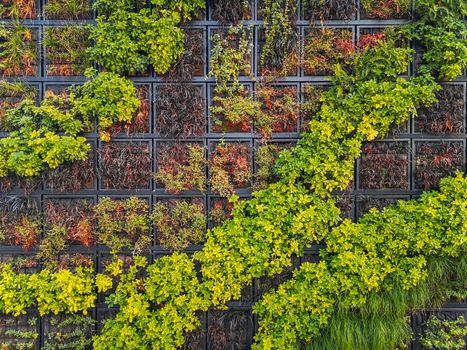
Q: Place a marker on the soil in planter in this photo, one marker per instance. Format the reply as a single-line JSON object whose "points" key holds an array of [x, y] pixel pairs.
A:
{"points": [[319, 10], [125, 165], [68, 9], [192, 61], [140, 121], [18, 9], [65, 49], [180, 111], [345, 203], [229, 330], [230, 11], [11, 94], [384, 165], [180, 167], [281, 108], [265, 158], [20, 222], [435, 160], [230, 167], [19, 332], [445, 116], [68, 332], [385, 9], [179, 223], [19, 53], [325, 47]]}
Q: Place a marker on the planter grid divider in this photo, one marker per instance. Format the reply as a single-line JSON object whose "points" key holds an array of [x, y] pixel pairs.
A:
{"points": [[358, 196]]}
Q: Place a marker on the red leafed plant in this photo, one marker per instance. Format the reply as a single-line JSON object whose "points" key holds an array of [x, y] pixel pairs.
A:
{"points": [[384, 165], [385, 9], [221, 210], [181, 167], [20, 222], [326, 47], [230, 168], [370, 40], [281, 109], [435, 160], [75, 216]]}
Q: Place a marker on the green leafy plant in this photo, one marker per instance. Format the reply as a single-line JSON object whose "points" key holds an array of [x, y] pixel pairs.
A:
{"points": [[71, 332], [179, 223], [123, 224], [19, 334], [385, 9], [145, 36], [11, 94], [108, 98], [444, 334]]}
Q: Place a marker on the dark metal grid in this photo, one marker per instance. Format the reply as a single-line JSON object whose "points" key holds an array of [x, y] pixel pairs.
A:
{"points": [[359, 197]]}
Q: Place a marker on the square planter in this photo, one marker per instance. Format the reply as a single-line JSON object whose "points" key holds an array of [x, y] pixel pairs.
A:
{"points": [[435, 160], [230, 11], [384, 165], [329, 10], [385, 9], [14, 9], [11, 94], [447, 116], [20, 49], [65, 50], [21, 332], [69, 331], [325, 47], [311, 104], [229, 330], [125, 165], [230, 167], [180, 167], [180, 111]]}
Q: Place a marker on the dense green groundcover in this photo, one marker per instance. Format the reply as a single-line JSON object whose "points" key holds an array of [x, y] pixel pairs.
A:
{"points": [[371, 273]]}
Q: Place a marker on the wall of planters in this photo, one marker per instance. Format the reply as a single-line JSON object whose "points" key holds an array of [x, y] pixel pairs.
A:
{"points": [[175, 128]]}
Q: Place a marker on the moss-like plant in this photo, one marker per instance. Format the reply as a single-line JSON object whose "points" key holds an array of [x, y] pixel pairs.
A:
{"points": [[179, 223]]}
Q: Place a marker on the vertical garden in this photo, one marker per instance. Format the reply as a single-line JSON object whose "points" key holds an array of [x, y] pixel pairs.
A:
{"points": [[243, 174]]}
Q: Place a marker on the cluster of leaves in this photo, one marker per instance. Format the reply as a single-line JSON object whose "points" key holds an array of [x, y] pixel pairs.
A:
{"points": [[179, 223], [385, 9], [11, 94], [442, 31], [181, 167], [230, 168], [51, 292], [444, 334], [397, 243], [18, 51], [123, 224], [44, 137], [128, 38], [265, 158], [172, 284]]}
